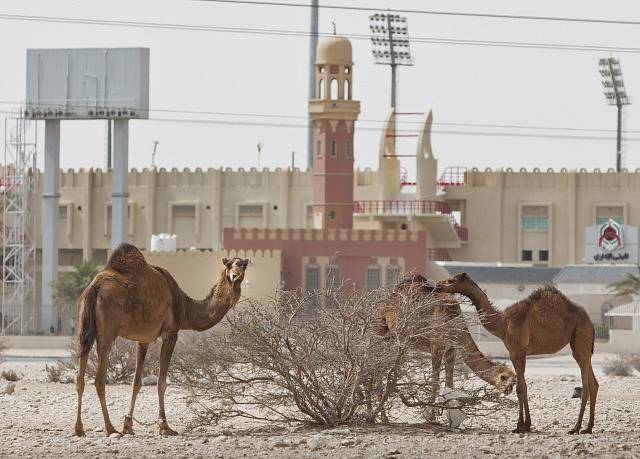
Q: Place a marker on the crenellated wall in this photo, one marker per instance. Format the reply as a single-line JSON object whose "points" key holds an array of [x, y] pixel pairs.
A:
{"points": [[352, 250], [493, 202]]}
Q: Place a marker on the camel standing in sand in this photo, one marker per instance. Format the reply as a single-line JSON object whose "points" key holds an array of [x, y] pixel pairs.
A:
{"points": [[543, 323], [442, 315], [140, 302]]}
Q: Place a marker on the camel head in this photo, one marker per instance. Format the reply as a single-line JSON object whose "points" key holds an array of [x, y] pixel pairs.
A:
{"points": [[458, 283], [502, 378], [235, 268]]}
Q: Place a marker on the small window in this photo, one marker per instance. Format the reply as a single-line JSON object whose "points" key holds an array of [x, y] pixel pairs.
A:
{"points": [[312, 278], [184, 211], [347, 90], [604, 213], [244, 210], [527, 255], [334, 149], [347, 70], [535, 223], [319, 149], [373, 278], [321, 69], [62, 212], [332, 215], [347, 150], [393, 275], [321, 89], [543, 255]]}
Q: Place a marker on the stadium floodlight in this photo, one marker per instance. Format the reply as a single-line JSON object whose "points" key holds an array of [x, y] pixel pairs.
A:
{"points": [[390, 40], [616, 94]]}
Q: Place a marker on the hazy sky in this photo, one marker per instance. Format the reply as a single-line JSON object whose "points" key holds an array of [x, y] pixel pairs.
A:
{"points": [[242, 73]]}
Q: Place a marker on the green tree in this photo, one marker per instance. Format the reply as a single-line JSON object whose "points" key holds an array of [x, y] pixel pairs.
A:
{"points": [[69, 286], [630, 285]]}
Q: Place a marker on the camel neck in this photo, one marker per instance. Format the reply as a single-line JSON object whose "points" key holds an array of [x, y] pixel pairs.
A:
{"points": [[476, 360], [490, 317], [203, 314]]}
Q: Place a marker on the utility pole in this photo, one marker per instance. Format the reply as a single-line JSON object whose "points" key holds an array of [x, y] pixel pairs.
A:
{"points": [[313, 45], [293, 160], [616, 94]]}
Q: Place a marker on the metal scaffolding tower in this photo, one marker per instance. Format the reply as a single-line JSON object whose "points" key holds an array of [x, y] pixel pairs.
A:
{"points": [[18, 225]]}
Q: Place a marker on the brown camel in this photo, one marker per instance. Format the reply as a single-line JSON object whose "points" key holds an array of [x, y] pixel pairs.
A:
{"points": [[542, 323], [140, 302], [442, 316]]}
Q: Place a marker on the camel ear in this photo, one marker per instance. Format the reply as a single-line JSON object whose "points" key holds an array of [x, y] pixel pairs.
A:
{"points": [[225, 261], [246, 262]]}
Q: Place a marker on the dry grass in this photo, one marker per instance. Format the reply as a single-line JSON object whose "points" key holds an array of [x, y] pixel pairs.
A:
{"points": [[279, 362], [634, 361], [3, 347]]}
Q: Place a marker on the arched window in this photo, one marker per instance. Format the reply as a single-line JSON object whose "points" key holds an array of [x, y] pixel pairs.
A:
{"points": [[393, 274], [321, 89], [333, 94], [373, 278], [334, 149], [347, 90], [347, 150]]}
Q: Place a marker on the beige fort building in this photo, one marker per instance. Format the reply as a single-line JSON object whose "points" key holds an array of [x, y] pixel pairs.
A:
{"points": [[511, 229]]}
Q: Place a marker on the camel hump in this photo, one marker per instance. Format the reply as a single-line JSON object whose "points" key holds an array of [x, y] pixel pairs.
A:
{"points": [[126, 259]]}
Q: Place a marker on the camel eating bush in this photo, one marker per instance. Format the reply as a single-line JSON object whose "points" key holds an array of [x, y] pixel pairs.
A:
{"points": [[328, 366]]}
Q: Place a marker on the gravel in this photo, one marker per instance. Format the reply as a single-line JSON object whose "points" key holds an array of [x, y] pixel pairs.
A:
{"points": [[37, 419]]}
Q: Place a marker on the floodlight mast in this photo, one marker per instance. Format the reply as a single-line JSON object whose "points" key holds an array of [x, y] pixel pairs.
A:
{"points": [[389, 33], [616, 94]]}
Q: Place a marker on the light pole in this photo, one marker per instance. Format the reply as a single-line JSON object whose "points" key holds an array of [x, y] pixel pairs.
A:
{"points": [[616, 94], [259, 147], [153, 155], [390, 40]]}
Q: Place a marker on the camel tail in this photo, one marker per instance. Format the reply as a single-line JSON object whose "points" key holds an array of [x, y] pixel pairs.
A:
{"points": [[87, 321]]}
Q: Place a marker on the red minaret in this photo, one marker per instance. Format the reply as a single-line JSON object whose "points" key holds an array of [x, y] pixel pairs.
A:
{"points": [[333, 114]]}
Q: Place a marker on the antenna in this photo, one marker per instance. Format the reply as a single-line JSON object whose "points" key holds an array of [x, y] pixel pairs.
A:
{"points": [[153, 155], [616, 94], [259, 147]]}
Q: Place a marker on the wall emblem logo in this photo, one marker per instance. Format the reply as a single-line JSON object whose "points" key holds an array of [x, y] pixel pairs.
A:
{"points": [[610, 236]]}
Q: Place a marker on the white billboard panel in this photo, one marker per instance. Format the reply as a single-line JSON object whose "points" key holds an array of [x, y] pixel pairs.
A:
{"points": [[87, 83]]}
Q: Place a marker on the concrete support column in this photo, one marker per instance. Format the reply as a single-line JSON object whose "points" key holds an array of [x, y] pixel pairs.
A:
{"points": [[50, 203], [120, 183]]}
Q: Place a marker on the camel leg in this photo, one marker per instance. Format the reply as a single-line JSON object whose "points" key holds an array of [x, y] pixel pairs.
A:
{"points": [[141, 353], [436, 363], [168, 343], [104, 347], [592, 399], [82, 366], [449, 366], [519, 361]]}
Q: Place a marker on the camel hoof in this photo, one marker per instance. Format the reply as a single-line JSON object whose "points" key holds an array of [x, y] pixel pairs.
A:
{"points": [[586, 431], [573, 431], [79, 432], [522, 429], [127, 428], [166, 430]]}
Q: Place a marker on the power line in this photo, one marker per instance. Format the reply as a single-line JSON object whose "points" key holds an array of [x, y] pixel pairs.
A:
{"points": [[360, 120], [438, 13], [303, 33], [365, 128]]}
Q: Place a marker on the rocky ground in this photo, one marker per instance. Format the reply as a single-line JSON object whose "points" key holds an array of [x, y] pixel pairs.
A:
{"points": [[37, 421]]}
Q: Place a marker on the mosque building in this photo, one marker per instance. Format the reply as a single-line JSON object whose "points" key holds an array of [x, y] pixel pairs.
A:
{"points": [[333, 223]]}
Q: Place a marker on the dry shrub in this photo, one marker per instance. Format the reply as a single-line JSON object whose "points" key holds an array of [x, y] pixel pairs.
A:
{"points": [[616, 367], [55, 372], [281, 362], [634, 361], [10, 375], [122, 361]]}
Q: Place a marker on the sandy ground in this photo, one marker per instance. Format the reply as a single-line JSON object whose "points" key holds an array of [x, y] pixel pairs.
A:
{"points": [[37, 421]]}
